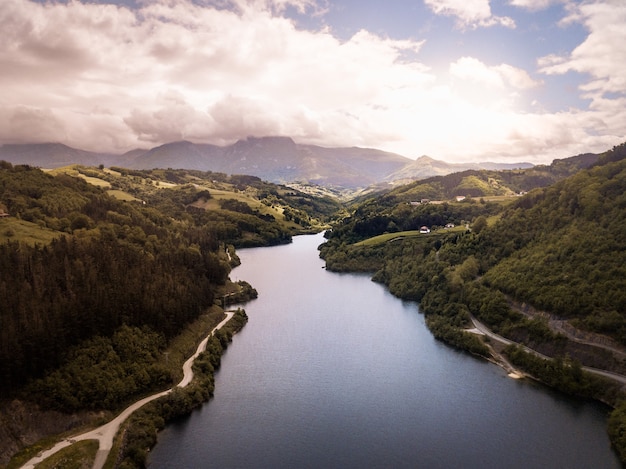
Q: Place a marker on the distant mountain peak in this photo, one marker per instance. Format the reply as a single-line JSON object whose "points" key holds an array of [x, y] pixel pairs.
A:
{"points": [[425, 158], [277, 159]]}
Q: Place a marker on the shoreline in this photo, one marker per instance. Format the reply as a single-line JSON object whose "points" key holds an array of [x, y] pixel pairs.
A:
{"points": [[105, 434]]}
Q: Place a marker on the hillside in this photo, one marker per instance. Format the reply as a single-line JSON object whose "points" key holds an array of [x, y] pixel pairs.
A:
{"points": [[426, 167], [545, 270], [560, 248], [85, 250], [275, 159], [487, 183], [102, 269], [51, 155]]}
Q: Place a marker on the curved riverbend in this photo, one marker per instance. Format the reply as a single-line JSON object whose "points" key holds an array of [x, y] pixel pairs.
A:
{"points": [[333, 371]]}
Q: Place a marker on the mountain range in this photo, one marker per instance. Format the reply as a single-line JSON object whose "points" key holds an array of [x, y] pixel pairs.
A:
{"points": [[274, 159]]}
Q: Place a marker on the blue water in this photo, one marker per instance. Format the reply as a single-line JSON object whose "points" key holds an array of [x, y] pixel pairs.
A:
{"points": [[332, 371]]}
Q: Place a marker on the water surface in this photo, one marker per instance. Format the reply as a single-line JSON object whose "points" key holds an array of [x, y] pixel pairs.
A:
{"points": [[332, 371]]}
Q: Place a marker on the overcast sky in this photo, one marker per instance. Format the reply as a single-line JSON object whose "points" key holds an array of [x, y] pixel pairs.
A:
{"points": [[458, 80]]}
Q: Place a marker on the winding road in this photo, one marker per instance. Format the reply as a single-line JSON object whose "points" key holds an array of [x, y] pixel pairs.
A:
{"points": [[106, 433], [480, 328]]}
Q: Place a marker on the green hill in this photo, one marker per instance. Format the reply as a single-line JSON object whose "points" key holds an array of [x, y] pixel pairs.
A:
{"points": [[85, 250], [545, 270], [570, 256], [488, 183], [561, 248]]}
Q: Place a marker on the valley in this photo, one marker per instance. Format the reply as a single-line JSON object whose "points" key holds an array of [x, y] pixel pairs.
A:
{"points": [[106, 260]]}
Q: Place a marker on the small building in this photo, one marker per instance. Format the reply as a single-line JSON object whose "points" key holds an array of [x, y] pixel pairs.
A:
{"points": [[424, 230], [460, 198], [449, 225]]}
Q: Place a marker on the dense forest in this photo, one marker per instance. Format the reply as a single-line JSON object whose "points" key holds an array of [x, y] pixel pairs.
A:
{"points": [[142, 249], [520, 265]]}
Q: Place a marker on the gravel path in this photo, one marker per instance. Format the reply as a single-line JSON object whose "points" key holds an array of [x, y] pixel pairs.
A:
{"points": [[480, 328], [106, 433]]}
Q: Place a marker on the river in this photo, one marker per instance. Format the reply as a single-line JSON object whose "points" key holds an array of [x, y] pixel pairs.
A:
{"points": [[332, 371]]}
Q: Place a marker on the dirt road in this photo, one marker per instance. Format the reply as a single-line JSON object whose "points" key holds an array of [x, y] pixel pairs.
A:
{"points": [[106, 433]]}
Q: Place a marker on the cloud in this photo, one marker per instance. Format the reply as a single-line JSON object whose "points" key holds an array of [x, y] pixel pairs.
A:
{"points": [[500, 76], [108, 78], [602, 58], [535, 5], [176, 70], [469, 13], [23, 124], [602, 55], [315, 7]]}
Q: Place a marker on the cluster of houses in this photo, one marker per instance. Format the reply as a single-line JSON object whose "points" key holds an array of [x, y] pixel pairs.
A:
{"points": [[425, 229], [458, 198]]}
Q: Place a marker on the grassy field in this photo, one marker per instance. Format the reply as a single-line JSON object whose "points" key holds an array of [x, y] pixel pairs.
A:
{"points": [[386, 237], [96, 181], [255, 204], [121, 195], [14, 229], [77, 456]]}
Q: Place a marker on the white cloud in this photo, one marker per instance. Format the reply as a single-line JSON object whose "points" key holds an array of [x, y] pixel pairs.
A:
{"points": [[535, 5], [499, 87], [178, 70], [602, 55], [517, 77], [104, 77], [315, 7], [469, 68], [602, 58], [469, 13]]}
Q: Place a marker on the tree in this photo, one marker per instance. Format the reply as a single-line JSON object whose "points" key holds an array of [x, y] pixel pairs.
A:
{"points": [[479, 224]]}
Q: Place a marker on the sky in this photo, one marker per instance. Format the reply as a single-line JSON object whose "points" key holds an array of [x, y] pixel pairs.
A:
{"points": [[457, 80]]}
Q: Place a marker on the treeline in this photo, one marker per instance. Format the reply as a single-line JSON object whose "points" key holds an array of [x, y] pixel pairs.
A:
{"points": [[390, 215], [564, 374]]}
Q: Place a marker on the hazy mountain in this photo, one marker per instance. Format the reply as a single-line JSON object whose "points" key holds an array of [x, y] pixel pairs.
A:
{"points": [[425, 167], [274, 159], [278, 159], [51, 155]]}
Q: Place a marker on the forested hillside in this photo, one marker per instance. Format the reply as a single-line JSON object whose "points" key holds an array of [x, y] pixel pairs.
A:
{"points": [[520, 265], [563, 249], [487, 183], [560, 249], [85, 251]]}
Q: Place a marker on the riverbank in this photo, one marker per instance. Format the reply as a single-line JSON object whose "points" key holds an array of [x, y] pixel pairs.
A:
{"points": [[105, 434], [334, 370]]}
